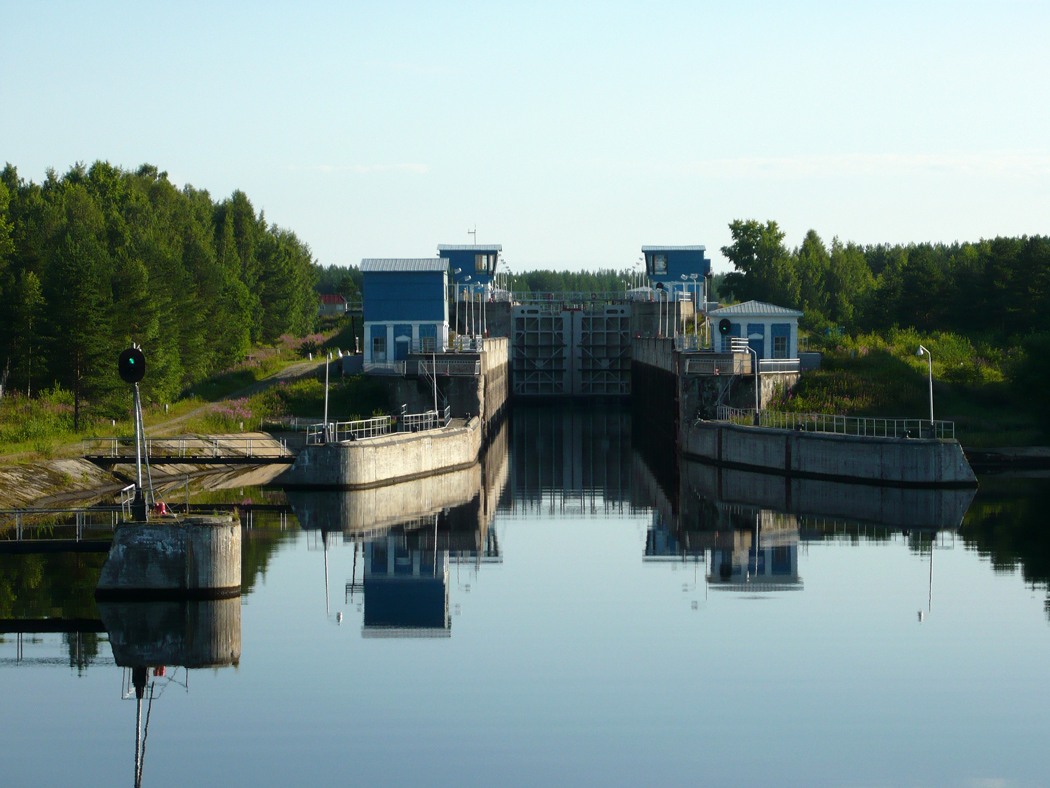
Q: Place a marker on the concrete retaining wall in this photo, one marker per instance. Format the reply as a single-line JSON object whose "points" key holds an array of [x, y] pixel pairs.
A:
{"points": [[199, 557], [384, 460], [818, 455]]}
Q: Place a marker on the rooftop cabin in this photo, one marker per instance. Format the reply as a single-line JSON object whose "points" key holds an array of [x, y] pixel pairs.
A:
{"points": [[667, 265], [405, 307], [478, 261]]}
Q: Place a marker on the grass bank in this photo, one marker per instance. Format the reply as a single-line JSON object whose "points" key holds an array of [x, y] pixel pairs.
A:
{"points": [[882, 375]]}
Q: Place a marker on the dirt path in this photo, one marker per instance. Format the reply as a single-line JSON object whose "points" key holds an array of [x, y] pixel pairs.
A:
{"points": [[296, 371]]}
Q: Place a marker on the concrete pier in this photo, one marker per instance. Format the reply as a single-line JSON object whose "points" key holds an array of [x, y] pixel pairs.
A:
{"points": [[894, 461], [195, 558], [399, 457]]}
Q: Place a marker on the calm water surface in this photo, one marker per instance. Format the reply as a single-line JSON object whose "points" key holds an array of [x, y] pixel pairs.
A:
{"points": [[577, 612]]}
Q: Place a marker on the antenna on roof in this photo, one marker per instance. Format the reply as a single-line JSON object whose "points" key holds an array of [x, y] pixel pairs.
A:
{"points": [[474, 232]]}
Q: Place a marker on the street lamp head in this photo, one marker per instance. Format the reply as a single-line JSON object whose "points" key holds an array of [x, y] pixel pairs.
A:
{"points": [[922, 350]]}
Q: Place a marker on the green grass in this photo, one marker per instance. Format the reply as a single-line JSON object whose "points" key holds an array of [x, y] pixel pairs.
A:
{"points": [[43, 425], [882, 376], [349, 399]]}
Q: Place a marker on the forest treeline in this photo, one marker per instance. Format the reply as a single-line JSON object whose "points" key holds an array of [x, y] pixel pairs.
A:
{"points": [[997, 289], [347, 281], [984, 307], [100, 257]]}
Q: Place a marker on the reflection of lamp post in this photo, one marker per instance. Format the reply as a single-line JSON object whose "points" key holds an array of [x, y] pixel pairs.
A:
{"points": [[929, 358]]}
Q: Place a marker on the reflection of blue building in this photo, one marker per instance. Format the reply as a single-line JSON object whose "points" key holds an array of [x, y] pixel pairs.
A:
{"points": [[406, 590], [744, 549], [666, 265], [477, 261], [765, 559], [405, 303]]}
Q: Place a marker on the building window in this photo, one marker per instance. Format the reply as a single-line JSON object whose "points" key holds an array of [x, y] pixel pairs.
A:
{"points": [[659, 264], [483, 263], [379, 350], [780, 347]]}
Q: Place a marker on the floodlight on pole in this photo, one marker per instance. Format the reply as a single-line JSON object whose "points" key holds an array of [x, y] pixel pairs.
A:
{"points": [[929, 359]]}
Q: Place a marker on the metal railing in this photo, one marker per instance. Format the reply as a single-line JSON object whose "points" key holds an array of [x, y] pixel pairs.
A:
{"points": [[452, 368], [568, 297], [385, 367], [686, 342], [349, 430], [339, 431], [840, 425], [42, 523], [468, 344], [431, 420], [718, 366], [778, 365], [187, 446]]}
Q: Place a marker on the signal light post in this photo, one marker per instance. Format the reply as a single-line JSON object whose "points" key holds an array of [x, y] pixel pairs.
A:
{"points": [[132, 367]]}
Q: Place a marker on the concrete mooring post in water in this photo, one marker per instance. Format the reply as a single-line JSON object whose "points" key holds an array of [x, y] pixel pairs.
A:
{"points": [[195, 558]]}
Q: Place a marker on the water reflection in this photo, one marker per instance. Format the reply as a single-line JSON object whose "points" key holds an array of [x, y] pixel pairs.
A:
{"points": [[584, 553], [405, 537], [571, 462], [149, 639]]}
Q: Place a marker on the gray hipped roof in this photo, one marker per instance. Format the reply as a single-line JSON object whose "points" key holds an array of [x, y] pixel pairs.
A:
{"points": [[673, 249], [470, 247], [754, 309], [403, 264]]}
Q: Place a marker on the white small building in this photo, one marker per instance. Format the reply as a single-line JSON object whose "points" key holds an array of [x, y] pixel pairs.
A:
{"points": [[771, 331]]}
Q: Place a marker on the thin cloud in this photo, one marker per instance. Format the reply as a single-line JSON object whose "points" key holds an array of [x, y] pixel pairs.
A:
{"points": [[327, 169], [1001, 164]]}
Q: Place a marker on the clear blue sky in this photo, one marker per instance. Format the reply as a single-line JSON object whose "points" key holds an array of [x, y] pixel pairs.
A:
{"points": [[571, 133]]}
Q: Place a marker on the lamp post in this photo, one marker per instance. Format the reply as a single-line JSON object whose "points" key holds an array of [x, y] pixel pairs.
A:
{"points": [[455, 295], [696, 298], [758, 389], [929, 358], [328, 363], [470, 310]]}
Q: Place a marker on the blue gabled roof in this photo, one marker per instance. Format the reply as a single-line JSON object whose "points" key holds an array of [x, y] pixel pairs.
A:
{"points": [[754, 309], [401, 264]]}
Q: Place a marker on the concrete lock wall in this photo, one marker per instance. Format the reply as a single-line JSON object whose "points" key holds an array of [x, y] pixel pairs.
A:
{"points": [[389, 458], [196, 557], [495, 371], [885, 460]]}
